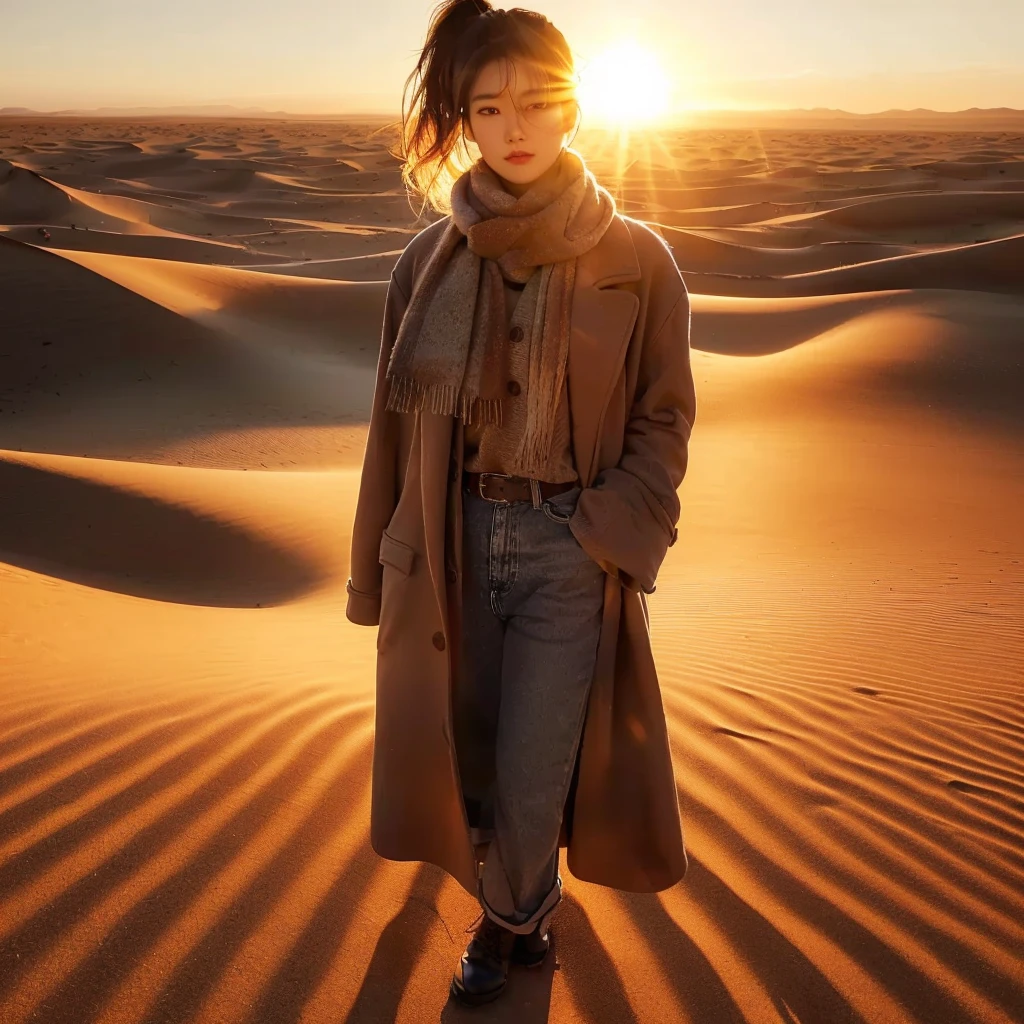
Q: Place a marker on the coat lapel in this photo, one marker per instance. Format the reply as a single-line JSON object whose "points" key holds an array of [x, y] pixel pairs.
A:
{"points": [[602, 323]]}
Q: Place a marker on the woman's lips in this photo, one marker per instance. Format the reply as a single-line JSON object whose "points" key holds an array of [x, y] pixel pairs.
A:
{"points": [[519, 158]]}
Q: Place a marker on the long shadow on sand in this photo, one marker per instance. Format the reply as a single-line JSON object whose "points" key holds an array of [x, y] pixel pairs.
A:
{"points": [[399, 949], [186, 990], [798, 990], [589, 971], [404, 943], [138, 930]]}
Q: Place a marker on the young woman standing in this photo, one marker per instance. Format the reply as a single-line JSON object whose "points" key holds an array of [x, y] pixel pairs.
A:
{"points": [[528, 435]]}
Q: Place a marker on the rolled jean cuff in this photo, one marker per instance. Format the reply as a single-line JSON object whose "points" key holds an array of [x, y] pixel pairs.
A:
{"points": [[540, 917]]}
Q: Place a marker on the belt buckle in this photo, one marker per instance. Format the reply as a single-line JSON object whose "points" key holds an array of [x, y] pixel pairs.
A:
{"points": [[480, 487]]}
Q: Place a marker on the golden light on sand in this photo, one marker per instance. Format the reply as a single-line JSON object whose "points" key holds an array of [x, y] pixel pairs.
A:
{"points": [[188, 361], [624, 85]]}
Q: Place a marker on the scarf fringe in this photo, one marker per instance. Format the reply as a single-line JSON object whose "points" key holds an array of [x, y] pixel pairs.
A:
{"points": [[409, 395], [532, 454], [452, 342]]}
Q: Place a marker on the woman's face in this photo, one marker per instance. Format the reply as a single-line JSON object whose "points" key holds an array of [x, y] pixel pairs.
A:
{"points": [[511, 111]]}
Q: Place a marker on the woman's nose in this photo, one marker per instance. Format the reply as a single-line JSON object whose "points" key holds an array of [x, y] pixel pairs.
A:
{"points": [[513, 125]]}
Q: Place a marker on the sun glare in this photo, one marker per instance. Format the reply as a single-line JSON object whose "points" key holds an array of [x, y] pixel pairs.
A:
{"points": [[624, 85]]}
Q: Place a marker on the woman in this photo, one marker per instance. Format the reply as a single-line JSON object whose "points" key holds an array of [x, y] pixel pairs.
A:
{"points": [[529, 431]]}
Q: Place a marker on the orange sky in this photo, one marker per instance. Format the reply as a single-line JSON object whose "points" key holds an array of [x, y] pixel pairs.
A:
{"points": [[320, 58]]}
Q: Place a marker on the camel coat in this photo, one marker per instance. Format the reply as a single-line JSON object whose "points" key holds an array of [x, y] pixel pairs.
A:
{"points": [[632, 403]]}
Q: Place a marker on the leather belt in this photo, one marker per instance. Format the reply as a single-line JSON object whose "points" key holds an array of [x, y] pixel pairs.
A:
{"points": [[502, 487]]}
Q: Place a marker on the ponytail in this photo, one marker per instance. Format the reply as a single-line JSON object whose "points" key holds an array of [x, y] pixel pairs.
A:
{"points": [[462, 37]]}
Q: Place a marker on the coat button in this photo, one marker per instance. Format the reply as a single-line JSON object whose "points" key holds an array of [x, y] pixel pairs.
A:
{"points": [[516, 333], [452, 574], [513, 387], [438, 641]]}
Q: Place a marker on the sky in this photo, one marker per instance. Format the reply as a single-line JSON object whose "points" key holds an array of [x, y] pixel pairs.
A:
{"points": [[340, 56]]}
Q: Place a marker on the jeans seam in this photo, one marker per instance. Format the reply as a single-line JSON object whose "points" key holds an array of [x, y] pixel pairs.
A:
{"points": [[513, 573], [493, 581], [494, 564], [507, 556]]}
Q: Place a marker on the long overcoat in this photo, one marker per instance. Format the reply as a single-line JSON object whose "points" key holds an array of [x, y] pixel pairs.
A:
{"points": [[632, 406]]}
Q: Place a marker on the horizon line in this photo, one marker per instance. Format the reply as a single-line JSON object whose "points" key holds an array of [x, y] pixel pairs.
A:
{"points": [[178, 109]]}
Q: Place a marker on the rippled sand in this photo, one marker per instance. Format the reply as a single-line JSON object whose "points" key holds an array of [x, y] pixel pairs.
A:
{"points": [[186, 716]]}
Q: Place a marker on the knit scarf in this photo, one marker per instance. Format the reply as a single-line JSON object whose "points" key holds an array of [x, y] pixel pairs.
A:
{"points": [[450, 347]]}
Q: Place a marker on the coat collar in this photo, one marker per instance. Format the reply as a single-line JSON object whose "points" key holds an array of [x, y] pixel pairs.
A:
{"points": [[612, 261]]}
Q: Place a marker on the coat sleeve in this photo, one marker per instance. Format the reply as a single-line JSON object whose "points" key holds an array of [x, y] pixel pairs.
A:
{"points": [[626, 520], [379, 485]]}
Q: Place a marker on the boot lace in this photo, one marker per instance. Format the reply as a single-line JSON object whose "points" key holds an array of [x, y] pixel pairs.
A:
{"points": [[488, 935]]}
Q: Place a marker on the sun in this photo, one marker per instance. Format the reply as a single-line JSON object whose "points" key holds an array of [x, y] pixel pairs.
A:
{"points": [[624, 85]]}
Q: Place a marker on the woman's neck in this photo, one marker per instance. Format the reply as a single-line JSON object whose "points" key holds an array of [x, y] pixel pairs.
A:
{"points": [[520, 188]]}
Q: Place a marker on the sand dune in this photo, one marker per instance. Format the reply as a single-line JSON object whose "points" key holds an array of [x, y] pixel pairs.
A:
{"points": [[993, 266], [219, 358], [186, 715], [737, 253]]}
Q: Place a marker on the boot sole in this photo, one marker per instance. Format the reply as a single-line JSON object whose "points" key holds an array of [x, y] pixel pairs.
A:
{"points": [[460, 995], [531, 963]]}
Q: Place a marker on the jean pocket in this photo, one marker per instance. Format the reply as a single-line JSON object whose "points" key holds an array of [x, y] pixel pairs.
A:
{"points": [[560, 508]]}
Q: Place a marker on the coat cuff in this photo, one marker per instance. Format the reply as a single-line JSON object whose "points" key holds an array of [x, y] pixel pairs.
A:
{"points": [[363, 609], [634, 564]]}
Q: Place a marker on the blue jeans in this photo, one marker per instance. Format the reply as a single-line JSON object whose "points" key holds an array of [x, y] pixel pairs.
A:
{"points": [[532, 604]]}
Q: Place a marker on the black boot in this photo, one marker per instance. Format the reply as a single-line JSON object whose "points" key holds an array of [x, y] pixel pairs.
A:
{"points": [[530, 950], [483, 968]]}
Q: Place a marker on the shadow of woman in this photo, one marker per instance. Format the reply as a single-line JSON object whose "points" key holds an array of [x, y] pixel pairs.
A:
{"points": [[406, 940], [399, 949]]}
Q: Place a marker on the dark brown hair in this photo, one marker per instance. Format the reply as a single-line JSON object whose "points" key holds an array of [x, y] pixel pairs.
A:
{"points": [[464, 36]]}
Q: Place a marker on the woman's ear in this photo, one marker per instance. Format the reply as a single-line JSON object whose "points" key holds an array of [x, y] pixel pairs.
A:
{"points": [[467, 131]]}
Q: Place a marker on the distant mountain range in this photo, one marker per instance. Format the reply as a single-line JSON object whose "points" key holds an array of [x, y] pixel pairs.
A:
{"points": [[991, 118], [209, 110]]}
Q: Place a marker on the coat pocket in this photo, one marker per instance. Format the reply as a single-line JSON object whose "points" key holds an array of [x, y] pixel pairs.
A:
{"points": [[396, 554]]}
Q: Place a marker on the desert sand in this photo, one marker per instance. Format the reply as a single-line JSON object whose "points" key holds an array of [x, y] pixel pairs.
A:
{"points": [[186, 715]]}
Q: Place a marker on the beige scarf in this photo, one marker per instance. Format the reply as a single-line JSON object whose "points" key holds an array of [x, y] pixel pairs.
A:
{"points": [[450, 348]]}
